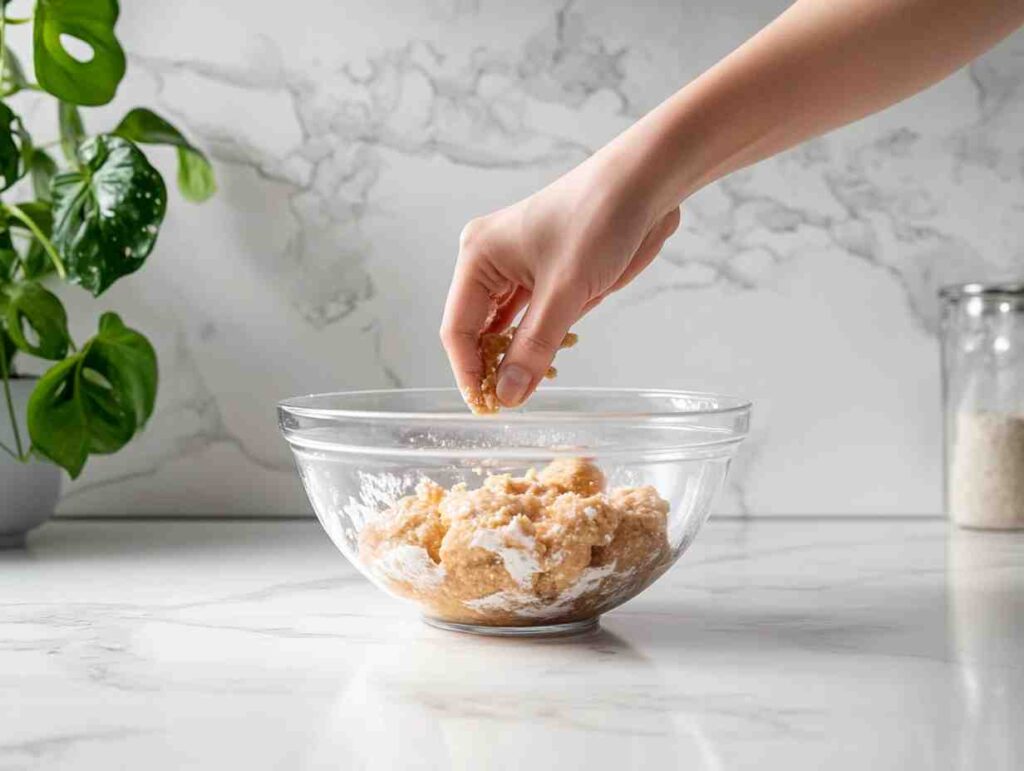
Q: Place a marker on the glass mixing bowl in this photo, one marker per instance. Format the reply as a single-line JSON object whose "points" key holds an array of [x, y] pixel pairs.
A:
{"points": [[633, 477]]}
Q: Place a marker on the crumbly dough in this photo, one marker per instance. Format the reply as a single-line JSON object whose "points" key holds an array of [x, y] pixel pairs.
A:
{"points": [[484, 401], [549, 547]]}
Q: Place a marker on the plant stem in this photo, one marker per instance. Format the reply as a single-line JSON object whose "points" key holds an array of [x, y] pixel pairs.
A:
{"points": [[10, 407], [45, 242], [8, 90], [3, 47], [9, 451], [55, 142]]}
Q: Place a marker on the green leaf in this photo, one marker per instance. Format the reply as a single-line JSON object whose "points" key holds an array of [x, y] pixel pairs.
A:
{"points": [[96, 400], [40, 212], [30, 304], [91, 82], [145, 126], [127, 361], [15, 147], [8, 256], [107, 213], [195, 174], [57, 419], [7, 350], [36, 263], [42, 167], [72, 131], [196, 180], [10, 153]]}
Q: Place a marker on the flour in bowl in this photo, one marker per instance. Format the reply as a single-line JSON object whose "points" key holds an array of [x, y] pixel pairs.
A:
{"points": [[554, 544]]}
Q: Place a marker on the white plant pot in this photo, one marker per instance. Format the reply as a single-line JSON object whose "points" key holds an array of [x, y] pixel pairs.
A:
{"points": [[28, 491]]}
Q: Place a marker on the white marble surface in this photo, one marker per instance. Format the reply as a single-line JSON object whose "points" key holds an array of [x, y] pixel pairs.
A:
{"points": [[353, 140], [772, 644]]}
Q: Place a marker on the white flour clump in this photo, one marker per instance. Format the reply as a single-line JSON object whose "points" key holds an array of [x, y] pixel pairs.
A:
{"points": [[986, 485], [515, 546], [411, 564]]}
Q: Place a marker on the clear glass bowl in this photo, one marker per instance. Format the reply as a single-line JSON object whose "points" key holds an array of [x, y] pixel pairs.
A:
{"points": [[503, 560]]}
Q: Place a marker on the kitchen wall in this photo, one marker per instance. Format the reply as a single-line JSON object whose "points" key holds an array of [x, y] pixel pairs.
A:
{"points": [[352, 141]]}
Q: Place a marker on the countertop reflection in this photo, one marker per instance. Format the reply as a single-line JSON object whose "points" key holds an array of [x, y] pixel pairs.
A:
{"points": [[857, 644]]}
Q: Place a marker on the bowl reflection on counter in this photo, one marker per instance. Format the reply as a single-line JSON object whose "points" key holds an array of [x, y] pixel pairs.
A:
{"points": [[359, 453]]}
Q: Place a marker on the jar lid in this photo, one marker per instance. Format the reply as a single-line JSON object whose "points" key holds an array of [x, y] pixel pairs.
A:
{"points": [[999, 289]]}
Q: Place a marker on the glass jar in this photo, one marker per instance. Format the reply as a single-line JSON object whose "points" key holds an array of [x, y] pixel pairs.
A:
{"points": [[982, 331]]}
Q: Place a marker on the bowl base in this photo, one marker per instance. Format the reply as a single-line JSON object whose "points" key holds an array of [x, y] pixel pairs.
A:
{"points": [[545, 630]]}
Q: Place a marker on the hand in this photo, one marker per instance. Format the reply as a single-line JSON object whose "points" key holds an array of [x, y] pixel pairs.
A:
{"points": [[557, 253]]}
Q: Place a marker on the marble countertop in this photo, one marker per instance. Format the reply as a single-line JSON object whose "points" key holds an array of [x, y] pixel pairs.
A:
{"points": [[853, 644]]}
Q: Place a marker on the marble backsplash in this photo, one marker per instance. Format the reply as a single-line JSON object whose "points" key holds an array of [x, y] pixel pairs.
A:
{"points": [[353, 140]]}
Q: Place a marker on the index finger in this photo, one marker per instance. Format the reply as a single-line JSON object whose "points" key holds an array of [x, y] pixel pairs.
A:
{"points": [[466, 313]]}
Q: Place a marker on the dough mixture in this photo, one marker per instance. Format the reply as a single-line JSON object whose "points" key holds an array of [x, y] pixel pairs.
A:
{"points": [[492, 348], [549, 547]]}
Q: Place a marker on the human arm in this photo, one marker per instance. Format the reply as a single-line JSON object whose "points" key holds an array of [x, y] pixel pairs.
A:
{"points": [[559, 252]]}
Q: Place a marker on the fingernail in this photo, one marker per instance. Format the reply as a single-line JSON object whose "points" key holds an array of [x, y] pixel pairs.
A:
{"points": [[513, 381]]}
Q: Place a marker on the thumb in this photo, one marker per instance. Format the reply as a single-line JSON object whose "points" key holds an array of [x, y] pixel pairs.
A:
{"points": [[538, 338]]}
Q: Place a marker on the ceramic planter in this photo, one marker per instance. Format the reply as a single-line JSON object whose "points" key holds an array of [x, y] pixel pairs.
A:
{"points": [[28, 491]]}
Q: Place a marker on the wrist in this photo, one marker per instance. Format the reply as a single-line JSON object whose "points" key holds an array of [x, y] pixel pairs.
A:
{"points": [[653, 164]]}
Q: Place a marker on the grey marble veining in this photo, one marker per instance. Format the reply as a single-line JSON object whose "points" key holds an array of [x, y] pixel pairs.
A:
{"points": [[353, 141], [800, 643]]}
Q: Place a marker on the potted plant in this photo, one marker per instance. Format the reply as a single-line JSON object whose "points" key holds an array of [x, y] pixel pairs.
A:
{"points": [[89, 220]]}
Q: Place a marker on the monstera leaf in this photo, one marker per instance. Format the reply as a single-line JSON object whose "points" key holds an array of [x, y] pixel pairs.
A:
{"points": [[107, 213], [95, 400], [31, 306], [195, 174], [15, 147], [89, 80]]}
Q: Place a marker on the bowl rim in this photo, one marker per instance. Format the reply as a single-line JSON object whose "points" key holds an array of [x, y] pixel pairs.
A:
{"points": [[997, 289], [735, 406]]}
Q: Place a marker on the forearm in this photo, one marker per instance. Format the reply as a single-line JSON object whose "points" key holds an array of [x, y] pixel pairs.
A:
{"points": [[821, 64]]}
